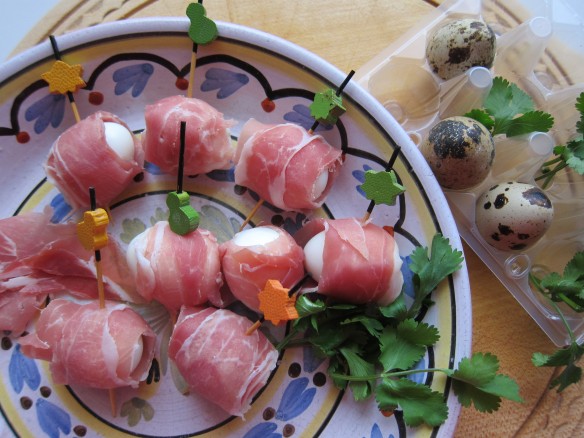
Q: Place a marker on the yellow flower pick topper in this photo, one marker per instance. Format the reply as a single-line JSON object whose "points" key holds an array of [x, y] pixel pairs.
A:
{"points": [[275, 303], [64, 78], [91, 231]]}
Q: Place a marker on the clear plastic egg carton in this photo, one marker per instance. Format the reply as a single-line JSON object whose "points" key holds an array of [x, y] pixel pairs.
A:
{"points": [[531, 56]]}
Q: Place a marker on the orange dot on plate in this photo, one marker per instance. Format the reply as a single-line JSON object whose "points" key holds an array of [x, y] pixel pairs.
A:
{"points": [[22, 137], [95, 98], [268, 105], [182, 83]]}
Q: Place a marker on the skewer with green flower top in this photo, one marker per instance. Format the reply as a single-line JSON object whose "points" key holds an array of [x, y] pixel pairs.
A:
{"points": [[202, 31], [183, 218], [64, 78], [327, 106], [382, 187], [326, 109]]}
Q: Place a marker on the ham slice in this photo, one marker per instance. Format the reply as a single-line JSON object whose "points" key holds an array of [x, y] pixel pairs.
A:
{"points": [[176, 270], [81, 157], [88, 346], [207, 139], [257, 255], [285, 165], [38, 259], [351, 261], [216, 358]]}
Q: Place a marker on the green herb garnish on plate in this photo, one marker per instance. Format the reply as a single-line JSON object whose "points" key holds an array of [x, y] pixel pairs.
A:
{"points": [[371, 349]]}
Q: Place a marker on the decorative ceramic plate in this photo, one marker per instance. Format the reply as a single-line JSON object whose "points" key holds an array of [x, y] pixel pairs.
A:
{"points": [[244, 74]]}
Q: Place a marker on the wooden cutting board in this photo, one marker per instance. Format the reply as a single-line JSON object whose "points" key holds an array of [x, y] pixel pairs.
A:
{"points": [[347, 34]]}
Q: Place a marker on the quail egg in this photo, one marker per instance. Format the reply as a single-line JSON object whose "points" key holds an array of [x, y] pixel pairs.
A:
{"points": [[460, 45], [513, 215], [460, 152]]}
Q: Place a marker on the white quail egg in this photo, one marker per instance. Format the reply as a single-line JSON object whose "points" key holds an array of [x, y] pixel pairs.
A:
{"points": [[460, 152], [513, 215], [460, 45]]}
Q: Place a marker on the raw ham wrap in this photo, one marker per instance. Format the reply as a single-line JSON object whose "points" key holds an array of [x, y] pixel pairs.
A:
{"points": [[285, 165], [81, 158], [38, 258], [218, 360], [207, 139], [247, 266], [176, 270], [88, 346], [355, 262]]}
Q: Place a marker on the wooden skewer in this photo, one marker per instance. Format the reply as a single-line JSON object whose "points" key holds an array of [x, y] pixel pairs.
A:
{"points": [[251, 214], [70, 96], [192, 70]]}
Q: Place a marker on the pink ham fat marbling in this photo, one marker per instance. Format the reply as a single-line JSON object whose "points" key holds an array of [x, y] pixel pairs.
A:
{"points": [[81, 158], [88, 346], [218, 360]]}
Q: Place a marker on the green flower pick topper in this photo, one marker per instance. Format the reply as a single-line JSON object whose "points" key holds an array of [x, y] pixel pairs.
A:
{"points": [[183, 218], [202, 30], [327, 107], [382, 187]]}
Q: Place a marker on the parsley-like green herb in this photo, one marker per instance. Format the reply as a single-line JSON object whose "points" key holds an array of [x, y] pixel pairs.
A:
{"points": [[569, 155], [567, 288], [509, 110], [371, 349]]}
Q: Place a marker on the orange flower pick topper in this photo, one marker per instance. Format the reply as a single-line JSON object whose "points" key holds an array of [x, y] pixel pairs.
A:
{"points": [[275, 303]]}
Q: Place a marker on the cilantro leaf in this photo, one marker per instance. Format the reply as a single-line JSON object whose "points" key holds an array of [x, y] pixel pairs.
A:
{"points": [[404, 345], [563, 357], [443, 261], [476, 382], [509, 110], [529, 122], [372, 325], [359, 367], [568, 287], [573, 155], [397, 309], [419, 403], [580, 108], [482, 117]]}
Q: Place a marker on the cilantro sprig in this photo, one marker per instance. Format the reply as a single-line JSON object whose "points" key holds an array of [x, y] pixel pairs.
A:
{"points": [[567, 288], [569, 155], [371, 348], [509, 110]]}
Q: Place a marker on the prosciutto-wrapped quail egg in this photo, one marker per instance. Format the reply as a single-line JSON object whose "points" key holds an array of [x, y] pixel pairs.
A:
{"points": [[460, 45], [513, 216], [460, 152]]}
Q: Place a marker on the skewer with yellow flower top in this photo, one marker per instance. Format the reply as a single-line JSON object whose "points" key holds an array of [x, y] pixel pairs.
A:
{"points": [[92, 233], [326, 108], [64, 78]]}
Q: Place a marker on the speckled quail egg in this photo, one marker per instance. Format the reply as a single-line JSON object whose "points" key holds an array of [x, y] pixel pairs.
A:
{"points": [[460, 152], [513, 216], [459, 45]]}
